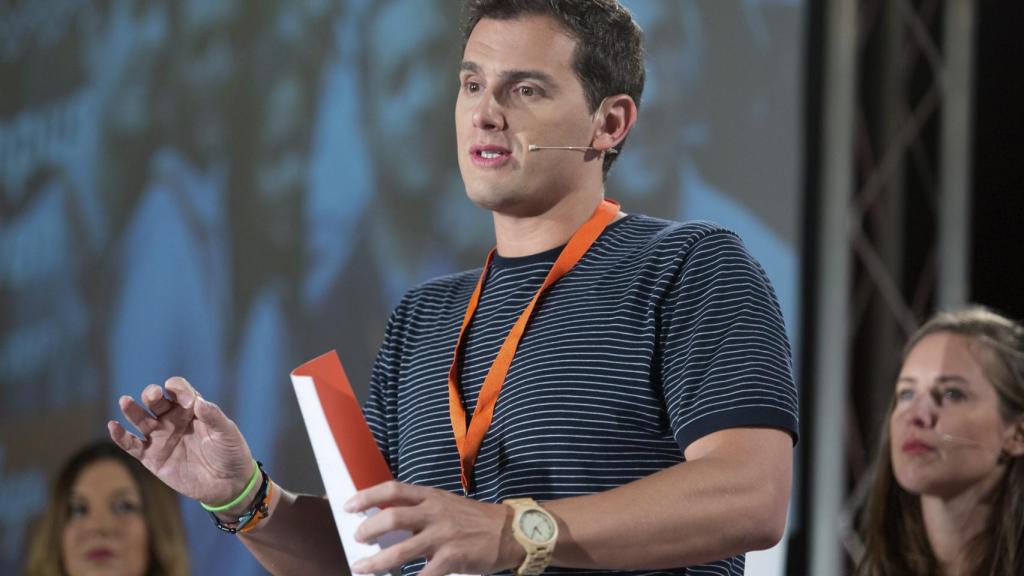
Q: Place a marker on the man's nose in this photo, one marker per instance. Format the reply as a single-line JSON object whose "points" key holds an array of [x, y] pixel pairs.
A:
{"points": [[489, 113]]}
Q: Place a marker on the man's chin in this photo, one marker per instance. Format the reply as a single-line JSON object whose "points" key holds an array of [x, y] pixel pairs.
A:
{"points": [[489, 197]]}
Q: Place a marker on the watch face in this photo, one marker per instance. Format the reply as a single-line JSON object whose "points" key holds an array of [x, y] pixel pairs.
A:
{"points": [[537, 526]]}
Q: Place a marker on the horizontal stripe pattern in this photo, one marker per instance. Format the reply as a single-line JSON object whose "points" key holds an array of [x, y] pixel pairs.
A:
{"points": [[661, 334]]}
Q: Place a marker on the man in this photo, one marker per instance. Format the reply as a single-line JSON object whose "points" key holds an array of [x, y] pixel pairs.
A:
{"points": [[642, 398]]}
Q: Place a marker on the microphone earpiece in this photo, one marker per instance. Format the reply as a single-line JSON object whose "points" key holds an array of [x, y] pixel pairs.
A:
{"points": [[965, 443], [950, 439]]}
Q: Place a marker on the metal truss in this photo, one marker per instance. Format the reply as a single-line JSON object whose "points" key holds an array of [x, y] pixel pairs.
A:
{"points": [[893, 228]]}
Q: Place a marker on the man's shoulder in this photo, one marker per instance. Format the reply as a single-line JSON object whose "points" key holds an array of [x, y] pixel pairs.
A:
{"points": [[647, 233], [444, 286], [437, 296]]}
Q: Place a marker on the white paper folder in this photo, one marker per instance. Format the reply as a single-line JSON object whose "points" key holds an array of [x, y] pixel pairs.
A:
{"points": [[346, 453]]}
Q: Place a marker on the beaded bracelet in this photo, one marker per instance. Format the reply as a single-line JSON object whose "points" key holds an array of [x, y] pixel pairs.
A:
{"points": [[261, 512], [258, 510]]}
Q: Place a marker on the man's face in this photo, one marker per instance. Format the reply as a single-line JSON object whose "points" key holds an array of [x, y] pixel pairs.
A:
{"points": [[516, 88]]}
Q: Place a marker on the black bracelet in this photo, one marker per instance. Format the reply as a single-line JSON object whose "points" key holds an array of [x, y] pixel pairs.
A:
{"points": [[257, 510]]}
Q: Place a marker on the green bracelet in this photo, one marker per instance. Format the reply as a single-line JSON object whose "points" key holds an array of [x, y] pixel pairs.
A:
{"points": [[237, 500]]}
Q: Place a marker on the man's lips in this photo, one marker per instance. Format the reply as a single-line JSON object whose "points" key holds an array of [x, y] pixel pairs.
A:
{"points": [[914, 446], [489, 155]]}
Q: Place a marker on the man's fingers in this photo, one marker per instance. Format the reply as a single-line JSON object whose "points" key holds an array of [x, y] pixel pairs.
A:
{"points": [[387, 494], [394, 518], [210, 414], [181, 392], [137, 416], [439, 565], [128, 442], [153, 398], [393, 556]]}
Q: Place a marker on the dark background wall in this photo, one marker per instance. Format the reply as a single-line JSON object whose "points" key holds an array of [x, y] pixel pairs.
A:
{"points": [[997, 249]]}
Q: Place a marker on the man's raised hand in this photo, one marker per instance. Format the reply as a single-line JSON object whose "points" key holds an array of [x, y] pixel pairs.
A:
{"points": [[187, 442]]}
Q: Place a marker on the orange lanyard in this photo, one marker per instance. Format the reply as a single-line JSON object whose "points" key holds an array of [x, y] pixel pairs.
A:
{"points": [[468, 441]]}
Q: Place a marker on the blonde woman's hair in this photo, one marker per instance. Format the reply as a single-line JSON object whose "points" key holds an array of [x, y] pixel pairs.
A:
{"points": [[167, 553]]}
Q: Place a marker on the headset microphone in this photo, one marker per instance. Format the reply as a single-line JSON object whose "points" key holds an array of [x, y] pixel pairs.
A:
{"points": [[950, 439], [961, 442], [534, 148]]}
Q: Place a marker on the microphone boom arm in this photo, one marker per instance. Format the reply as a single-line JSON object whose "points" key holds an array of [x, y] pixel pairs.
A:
{"points": [[534, 148]]}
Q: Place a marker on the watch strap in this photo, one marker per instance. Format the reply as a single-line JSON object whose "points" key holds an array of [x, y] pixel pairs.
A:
{"points": [[538, 556]]}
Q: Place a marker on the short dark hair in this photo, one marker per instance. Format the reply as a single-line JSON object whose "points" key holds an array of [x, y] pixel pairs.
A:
{"points": [[609, 55]]}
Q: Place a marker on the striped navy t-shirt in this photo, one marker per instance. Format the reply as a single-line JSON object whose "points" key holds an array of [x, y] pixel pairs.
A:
{"points": [[661, 334]]}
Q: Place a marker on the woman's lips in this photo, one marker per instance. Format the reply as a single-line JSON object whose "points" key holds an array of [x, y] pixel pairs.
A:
{"points": [[914, 446], [99, 554]]}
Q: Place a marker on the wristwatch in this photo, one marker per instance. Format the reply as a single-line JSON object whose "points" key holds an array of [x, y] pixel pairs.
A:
{"points": [[536, 530]]}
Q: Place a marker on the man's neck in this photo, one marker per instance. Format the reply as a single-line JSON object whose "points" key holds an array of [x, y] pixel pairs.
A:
{"points": [[527, 235]]}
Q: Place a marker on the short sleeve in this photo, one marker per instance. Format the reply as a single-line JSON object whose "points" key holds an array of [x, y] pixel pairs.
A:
{"points": [[380, 408], [726, 361]]}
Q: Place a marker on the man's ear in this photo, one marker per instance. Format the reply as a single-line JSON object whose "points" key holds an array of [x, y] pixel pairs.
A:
{"points": [[1015, 445], [615, 118]]}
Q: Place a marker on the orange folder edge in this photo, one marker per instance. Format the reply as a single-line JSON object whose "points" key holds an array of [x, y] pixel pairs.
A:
{"points": [[352, 435]]}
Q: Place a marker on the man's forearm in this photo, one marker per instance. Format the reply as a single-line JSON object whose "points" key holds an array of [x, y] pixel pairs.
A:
{"points": [[699, 511], [299, 537], [730, 497]]}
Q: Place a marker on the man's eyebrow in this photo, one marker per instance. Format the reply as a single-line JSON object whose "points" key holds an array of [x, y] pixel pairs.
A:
{"points": [[512, 76]]}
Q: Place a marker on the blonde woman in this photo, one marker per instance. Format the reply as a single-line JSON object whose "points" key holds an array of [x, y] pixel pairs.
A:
{"points": [[108, 515]]}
